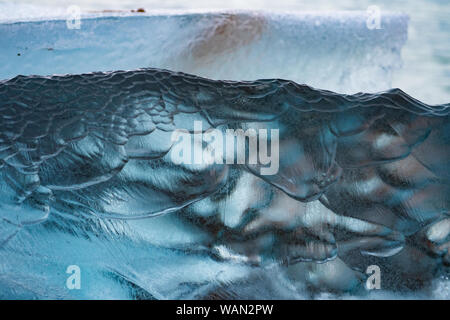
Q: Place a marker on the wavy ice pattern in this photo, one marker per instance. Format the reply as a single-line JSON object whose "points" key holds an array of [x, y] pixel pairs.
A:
{"points": [[87, 178]]}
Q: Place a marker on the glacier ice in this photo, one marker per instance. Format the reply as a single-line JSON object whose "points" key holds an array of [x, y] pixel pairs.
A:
{"points": [[87, 178], [334, 50]]}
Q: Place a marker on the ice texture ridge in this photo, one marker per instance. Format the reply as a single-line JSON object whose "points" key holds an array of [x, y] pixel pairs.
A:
{"points": [[363, 179]]}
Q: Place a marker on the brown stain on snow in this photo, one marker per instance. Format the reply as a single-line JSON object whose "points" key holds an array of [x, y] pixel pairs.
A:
{"points": [[227, 32]]}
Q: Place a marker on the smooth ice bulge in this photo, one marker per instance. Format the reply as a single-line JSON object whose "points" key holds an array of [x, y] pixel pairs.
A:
{"points": [[88, 178], [334, 51]]}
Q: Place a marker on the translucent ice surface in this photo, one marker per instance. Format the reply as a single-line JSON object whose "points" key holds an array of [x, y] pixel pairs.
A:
{"points": [[89, 178], [335, 51], [90, 171]]}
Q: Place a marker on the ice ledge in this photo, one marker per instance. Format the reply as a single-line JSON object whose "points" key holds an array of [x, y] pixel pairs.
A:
{"points": [[333, 50]]}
